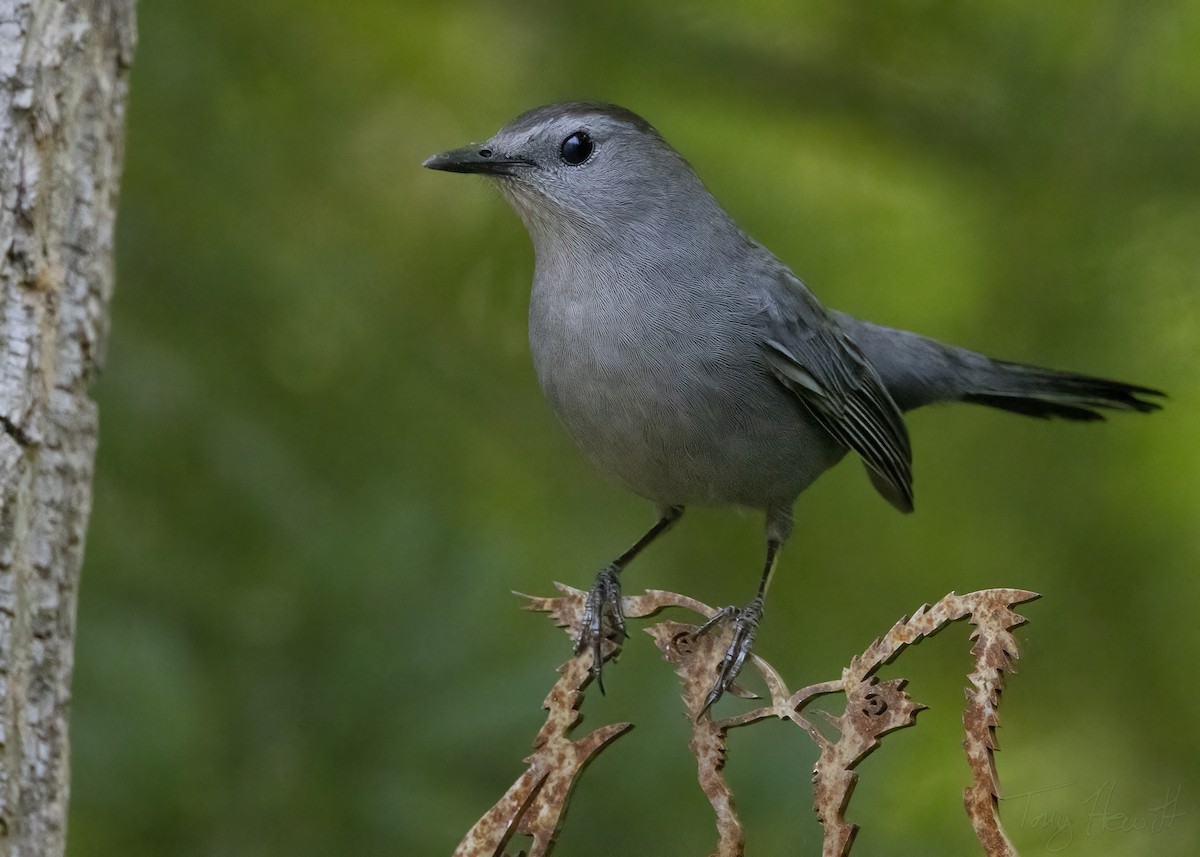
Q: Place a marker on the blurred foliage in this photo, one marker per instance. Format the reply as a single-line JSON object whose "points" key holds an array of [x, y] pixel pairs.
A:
{"points": [[325, 462]]}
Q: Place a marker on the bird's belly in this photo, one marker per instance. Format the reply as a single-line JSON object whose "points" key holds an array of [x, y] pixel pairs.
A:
{"points": [[686, 431]]}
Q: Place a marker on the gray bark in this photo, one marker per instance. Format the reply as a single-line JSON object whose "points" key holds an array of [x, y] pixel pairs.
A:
{"points": [[63, 82]]}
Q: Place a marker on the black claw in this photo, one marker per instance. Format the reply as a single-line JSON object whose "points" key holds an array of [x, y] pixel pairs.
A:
{"points": [[745, 627], [725, 614], [603, 599]]}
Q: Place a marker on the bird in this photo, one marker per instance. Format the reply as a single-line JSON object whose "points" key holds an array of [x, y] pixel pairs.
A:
{"points": [[690, 363]]}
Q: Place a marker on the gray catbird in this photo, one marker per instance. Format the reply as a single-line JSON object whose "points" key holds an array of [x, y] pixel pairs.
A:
{"points": [[689, 362]]}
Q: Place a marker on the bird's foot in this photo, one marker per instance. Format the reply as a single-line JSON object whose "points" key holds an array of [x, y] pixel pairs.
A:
{"points": [[603, 599], [745, 625]]}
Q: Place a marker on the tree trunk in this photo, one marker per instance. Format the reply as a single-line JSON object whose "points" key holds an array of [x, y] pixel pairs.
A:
{"points": [[64, 68]]}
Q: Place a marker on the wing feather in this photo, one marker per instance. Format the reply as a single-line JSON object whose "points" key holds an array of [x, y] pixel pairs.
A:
{"points": [[845, 395]]}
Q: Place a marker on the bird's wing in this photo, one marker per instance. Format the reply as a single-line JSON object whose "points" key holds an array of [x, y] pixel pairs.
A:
{"points": [[828, 372]]}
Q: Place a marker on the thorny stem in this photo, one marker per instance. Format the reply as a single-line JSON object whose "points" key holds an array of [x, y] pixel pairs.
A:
{"points": [[535, 805]]}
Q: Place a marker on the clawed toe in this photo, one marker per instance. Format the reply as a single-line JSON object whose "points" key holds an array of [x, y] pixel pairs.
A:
{"points": [[603, 600], [745, 627]]}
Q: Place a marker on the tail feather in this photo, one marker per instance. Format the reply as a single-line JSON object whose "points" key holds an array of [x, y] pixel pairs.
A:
{"points": [[917, 371], [1047, 393]]}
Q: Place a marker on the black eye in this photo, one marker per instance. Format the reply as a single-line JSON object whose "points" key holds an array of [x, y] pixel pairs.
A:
{"points": [[577, 148]]}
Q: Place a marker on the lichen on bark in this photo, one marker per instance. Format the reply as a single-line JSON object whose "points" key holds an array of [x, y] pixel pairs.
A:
{"points": [[63, 87]]}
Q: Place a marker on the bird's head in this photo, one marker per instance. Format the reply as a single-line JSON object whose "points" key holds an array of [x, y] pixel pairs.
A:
{"points": [[582, 167]]}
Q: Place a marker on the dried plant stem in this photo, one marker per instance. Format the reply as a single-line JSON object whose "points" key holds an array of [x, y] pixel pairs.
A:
{"points": [[536, 803]]}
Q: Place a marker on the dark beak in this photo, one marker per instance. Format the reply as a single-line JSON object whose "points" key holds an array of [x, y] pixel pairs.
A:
{"points": [[478, 158]]}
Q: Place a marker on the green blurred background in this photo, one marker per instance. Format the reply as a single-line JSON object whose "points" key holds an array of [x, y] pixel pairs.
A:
{"points": [[325, 462]]}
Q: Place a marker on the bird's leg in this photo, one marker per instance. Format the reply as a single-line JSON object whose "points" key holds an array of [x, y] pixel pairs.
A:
{"points": [[604, 598], [745, 626]]}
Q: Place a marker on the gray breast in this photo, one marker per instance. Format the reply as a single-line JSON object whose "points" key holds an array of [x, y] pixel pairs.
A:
{"points": [[672, 396]]}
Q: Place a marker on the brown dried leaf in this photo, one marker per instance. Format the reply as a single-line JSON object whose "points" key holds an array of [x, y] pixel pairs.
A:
{"points": [[995, 650], [873, 709], [696, 658], [535, 804]]}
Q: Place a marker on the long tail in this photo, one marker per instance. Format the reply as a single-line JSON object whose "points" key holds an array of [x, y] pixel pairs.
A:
{"points": [[1046, 393], [920, 371]]}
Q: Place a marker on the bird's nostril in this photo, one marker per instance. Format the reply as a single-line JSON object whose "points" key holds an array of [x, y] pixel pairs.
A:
{"points": [[485, 153]]}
